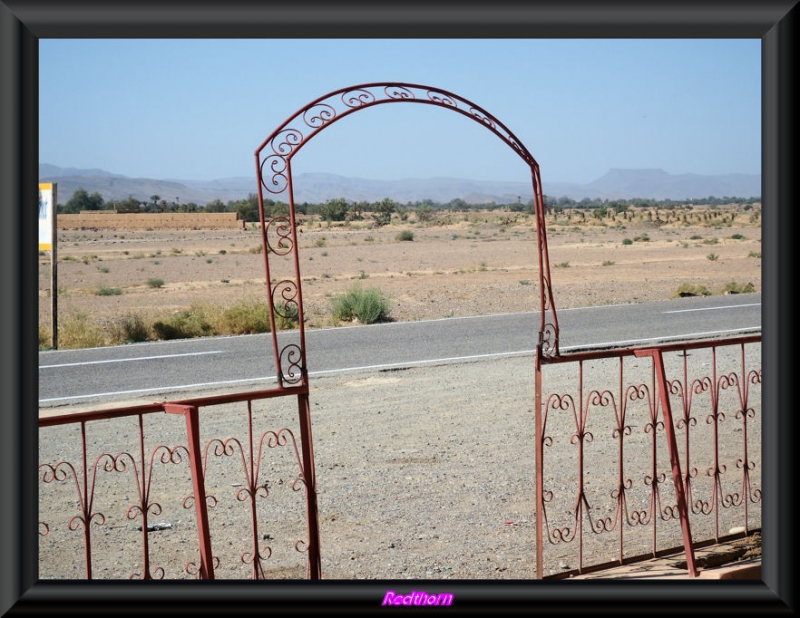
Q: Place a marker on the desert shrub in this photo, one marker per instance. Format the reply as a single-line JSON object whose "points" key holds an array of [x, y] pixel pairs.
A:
{"points": [[712, 257], [608, 263], [129, 329], [78, 332], [738, 288], [692, 289], [155, 282], [405, 235], [245, 318], [286, 317], [105, 290], [44, 338], [737, 236], [365, 305], [754, 254], [627, 241], [187, 324]]}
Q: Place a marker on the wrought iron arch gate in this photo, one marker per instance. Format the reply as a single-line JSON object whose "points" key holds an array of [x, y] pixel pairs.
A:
{"points": [[279, 240]]}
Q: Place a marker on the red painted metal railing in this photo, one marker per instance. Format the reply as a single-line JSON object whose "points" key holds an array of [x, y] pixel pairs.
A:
{"points": [[140, 469], [624, 446]]}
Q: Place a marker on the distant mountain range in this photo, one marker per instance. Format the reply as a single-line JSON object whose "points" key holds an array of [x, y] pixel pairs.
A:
{"points": [[319, 187]]}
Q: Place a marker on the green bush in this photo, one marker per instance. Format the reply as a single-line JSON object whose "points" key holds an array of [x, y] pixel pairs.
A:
{"points": [[286, 317], [186, 324], [627, 241], [405, 235], [129, 329], [104, 290], [154, 282], [692, 289], [368, 306], [246, 318], [738, 288]]}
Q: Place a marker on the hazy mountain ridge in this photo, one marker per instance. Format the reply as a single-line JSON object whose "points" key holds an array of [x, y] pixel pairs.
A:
{"points": [[319, 187]]}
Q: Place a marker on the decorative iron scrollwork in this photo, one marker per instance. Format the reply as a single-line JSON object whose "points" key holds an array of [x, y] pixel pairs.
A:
{"points": [[291, 359]]}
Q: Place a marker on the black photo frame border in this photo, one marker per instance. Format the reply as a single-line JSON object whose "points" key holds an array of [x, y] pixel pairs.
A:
{"points": [[24, 22]]}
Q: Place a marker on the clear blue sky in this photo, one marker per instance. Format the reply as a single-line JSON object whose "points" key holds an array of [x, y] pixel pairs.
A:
{"points": [[198, 109]]}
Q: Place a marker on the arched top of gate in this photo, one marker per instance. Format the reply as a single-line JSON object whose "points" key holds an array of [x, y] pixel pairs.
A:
{"points": [[275, 153]]}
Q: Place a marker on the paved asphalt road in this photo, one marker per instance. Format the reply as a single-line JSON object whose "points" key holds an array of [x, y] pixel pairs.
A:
{"points": [[150, 371]]}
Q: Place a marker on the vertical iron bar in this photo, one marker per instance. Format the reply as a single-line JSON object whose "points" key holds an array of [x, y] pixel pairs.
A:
{"points": [[304, 412], [620, 458], [87, 537], [539, 455], [298, 279], [669, 428], [144, 502], [191, 414]]}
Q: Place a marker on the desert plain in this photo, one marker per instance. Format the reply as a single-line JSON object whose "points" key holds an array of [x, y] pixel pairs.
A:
{"points": [[458, 264]]}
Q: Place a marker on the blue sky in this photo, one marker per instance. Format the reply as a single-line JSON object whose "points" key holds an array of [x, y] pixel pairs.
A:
{"points": [[198, 109]]}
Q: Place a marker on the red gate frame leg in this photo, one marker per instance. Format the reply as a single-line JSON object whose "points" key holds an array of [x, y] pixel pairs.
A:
{"points": [[191, 414], [672, 446]]}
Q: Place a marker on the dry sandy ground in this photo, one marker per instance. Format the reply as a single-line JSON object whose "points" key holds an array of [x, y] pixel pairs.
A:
{"points": [[470, 264], [481, 264]]}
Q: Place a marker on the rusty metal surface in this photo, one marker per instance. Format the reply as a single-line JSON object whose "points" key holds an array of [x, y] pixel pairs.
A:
{"points": [[141, 468], [273, 160], [715, 406]]}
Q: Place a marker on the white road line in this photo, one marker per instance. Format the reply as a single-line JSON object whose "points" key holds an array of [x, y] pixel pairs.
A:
{"points": [[127, 360], [713, 308], [395, 365], [150, 390]]}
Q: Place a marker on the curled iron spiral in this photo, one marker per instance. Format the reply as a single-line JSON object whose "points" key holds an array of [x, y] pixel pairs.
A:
{"points": [[291, 363], [279, 236]]}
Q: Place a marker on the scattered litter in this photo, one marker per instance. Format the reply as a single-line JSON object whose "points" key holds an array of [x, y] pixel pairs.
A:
{"points": [[509, 523]]}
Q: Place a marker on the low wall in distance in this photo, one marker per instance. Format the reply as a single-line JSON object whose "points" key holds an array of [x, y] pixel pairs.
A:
{"points": [[115, 220]]}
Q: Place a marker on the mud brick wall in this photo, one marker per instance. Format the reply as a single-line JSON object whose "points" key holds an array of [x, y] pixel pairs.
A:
{"points": [[112, 219]]}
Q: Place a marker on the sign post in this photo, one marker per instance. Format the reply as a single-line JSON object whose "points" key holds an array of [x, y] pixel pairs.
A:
{"points": [[47, 242]]}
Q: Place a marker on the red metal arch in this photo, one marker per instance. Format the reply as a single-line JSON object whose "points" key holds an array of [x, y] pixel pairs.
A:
{"points": [[279, 236]]}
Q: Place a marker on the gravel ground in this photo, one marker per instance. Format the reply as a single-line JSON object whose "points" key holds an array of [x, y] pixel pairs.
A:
{"points": [[422, 473]]}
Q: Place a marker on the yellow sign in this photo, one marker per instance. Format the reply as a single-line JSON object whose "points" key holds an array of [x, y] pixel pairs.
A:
{"points": [[47, 208]]}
